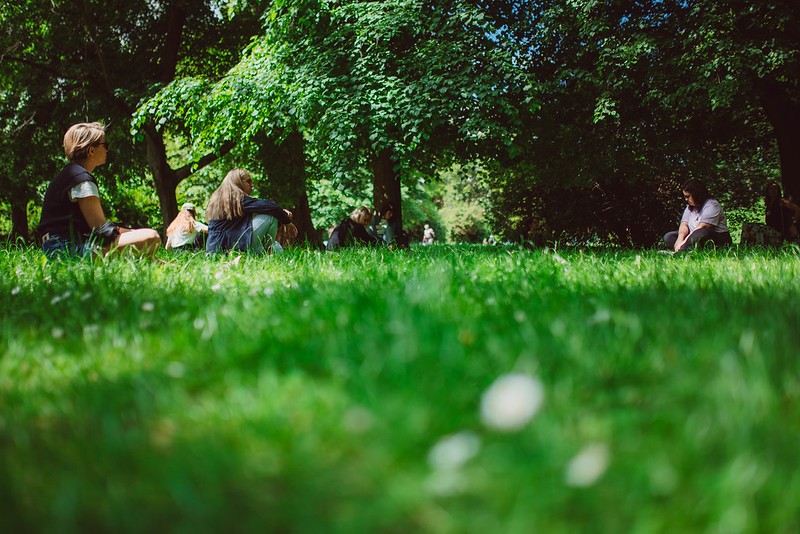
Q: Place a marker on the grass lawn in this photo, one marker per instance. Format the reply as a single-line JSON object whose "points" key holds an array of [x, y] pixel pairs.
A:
{"points": [[446, 389]]}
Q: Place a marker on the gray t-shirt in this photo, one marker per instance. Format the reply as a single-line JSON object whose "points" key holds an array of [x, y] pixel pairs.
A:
{"points": [[711, 213], [83, 190]]}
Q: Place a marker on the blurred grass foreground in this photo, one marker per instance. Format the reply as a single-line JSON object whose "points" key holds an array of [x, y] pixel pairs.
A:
{"points": [[440, 390]]}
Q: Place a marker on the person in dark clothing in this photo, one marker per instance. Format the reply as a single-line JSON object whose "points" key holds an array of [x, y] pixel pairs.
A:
{"points": [[73, 222], [781, 213], [353, 231], [237, 221], [386, 227], [781, 216]]}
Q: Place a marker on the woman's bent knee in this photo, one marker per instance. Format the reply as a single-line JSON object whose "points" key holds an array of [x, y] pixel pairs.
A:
{"points": [[145, 239]]}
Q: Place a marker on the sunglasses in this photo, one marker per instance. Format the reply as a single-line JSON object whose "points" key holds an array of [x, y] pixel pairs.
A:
{"points": [[104, 144]]}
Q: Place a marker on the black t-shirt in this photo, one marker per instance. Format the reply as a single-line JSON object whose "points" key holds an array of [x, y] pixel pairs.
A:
{"points": [[779, 217], [60, 215], [349, 233], [227, 234]]}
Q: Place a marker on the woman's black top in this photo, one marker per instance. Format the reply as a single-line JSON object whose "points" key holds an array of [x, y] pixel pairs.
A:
{"points": [[349, 233], [779, 217], [237, 233], [61, 216]]}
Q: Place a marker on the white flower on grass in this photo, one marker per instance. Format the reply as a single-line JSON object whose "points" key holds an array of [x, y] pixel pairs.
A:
{"points": [[175, 370], [15, 291], [148, 306], [602, 315], [558, 328], [587, 466], [358, 420], [453, 451], [511, 401], [216, 287], [57, 332]]}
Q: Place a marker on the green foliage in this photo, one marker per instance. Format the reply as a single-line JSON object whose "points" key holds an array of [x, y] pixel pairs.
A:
{"points": [[421, 205], [354, 78], [463, 204], [737, 217], [332, 202], [629, 110], [5, 219], [588, 113], [342, 392], [64, 63]]}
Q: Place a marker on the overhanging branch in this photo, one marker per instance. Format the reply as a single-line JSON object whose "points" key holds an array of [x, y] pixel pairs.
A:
{"points": [[188, 170]]}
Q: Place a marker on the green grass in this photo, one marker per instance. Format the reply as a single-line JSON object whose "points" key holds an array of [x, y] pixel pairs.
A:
{"points": [[308, 392]]}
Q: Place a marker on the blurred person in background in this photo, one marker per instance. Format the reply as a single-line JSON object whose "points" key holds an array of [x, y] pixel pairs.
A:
{"points": [[185, 232], [352, 231], [703, 221]]}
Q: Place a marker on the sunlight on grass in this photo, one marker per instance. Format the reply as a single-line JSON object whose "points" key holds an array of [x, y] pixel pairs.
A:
{"points": [[444, 389]]}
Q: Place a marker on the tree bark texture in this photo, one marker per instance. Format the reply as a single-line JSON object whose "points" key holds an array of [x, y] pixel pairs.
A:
{"points": [[784, 115], [285, 165], [386, 183], [19, 218], [164, 177]]}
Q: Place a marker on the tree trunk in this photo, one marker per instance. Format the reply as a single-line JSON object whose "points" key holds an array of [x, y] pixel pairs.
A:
{"points": [[285, 165], [175, 19], [19, 218], [302, 220], [784, 115], [386, 183], [164, 177]]}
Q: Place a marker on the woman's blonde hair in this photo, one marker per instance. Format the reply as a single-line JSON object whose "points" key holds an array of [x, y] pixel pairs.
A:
{"points": [[361, 215], [183, 223], [226, 201], [81, 137]]}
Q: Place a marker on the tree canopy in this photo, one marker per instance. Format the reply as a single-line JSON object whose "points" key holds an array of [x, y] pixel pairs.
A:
{"points": [[388, 85], [585, 114]]}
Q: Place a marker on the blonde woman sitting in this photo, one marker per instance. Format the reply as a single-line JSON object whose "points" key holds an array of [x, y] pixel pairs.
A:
{"points": [[183, 232], [73, 222], [237, 221], [353, 231]]}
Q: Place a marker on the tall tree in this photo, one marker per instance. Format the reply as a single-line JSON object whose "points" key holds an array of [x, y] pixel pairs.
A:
{"points": [[386, 85], [392, 83], [746, 55]]}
